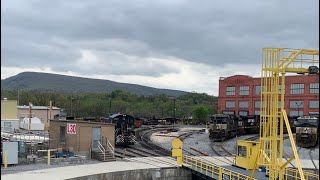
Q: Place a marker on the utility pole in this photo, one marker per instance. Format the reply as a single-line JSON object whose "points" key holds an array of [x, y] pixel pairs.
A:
{"points": [[30, 105], [298, 108], [110, 107], [71, 106]]}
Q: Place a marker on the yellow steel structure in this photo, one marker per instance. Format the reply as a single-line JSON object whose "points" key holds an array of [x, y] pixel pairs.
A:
{"points": [[177, 150], [247, 152], [215, 171], [275, 64]]}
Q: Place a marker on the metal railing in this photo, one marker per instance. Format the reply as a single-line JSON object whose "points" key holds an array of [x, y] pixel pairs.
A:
{"points": [[217, 172], [24, 137], [212, 170], [102, 149], [293, 173], [110, 148]]}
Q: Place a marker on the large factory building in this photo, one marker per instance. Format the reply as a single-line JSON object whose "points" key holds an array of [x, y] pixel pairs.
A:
{"points": [[240, 95]]}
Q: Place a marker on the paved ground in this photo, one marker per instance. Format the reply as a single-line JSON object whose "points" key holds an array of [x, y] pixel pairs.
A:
{"points": [[58, 173], [31, 167]]}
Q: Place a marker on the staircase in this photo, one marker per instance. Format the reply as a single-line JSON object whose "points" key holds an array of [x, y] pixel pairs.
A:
{"points": [[104, 157], [103, 153]]}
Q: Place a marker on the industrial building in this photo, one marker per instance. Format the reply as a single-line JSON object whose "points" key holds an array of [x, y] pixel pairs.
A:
{"points": [[81, 136], [9, 120], [240, 95], [41, 112]]}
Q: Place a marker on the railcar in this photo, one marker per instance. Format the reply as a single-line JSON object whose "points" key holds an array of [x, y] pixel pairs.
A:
{"points": [[307, 131], [249, 124], [223, 127], [124, 132]]}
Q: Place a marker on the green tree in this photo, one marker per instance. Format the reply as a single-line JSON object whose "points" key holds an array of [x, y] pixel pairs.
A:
{"points": [[200, 114]]}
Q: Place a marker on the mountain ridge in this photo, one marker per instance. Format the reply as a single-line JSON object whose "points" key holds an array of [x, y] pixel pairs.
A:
{"points": [[72, 84]]}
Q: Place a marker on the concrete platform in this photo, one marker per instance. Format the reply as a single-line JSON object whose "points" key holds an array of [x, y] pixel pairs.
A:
{"points": [[91, 169]]}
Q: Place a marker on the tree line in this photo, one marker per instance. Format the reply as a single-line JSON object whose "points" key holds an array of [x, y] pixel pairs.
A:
{"points": [[197, 105]]}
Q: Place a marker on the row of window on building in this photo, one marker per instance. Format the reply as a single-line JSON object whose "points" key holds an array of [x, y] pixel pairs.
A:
{"points": [[257, 104], [257, 112], [294, 89]]}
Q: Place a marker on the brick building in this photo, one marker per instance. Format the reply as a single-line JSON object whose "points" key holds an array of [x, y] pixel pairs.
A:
{"points": [[240, 95]]}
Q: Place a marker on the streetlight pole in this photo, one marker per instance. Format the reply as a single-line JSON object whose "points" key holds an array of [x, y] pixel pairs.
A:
{"points": [[174, 110], [110, 107], [71, 106], [298, 108]]}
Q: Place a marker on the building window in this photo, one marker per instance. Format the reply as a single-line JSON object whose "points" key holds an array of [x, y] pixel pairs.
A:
{"points": [[296, 113], [279, 89], [243, 113], [231, 91], [62, 134], [244, 90], [314, 104], [230, 104], [258, 90], [242, 151], [314, 88], [256, 112], [257, 104], [243, 104], [296, 104], [297, 89], [228, 112]]}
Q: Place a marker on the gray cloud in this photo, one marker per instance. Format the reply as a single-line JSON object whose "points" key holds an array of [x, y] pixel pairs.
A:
{"points": [[124, 35]]}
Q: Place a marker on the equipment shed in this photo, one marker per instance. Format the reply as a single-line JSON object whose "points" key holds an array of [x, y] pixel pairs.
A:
{"points": [[81, 136]]}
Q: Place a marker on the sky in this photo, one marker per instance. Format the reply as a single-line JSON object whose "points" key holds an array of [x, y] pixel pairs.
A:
{"points": [[173, 44]]}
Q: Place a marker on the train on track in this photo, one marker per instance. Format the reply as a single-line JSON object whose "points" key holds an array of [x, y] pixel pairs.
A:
{"points": [[307, 131], [124, 130], [224, 126]]}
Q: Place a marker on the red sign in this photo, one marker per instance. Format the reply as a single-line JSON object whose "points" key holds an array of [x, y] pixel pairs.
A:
{"points": [[71, 129]]}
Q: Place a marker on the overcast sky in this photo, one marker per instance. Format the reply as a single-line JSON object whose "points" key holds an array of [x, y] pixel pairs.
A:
{"points": [[174, 44]]}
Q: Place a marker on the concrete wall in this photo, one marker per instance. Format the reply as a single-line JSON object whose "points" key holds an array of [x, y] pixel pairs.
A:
{"points": [[82, 140], [142, 174], [8, 109], [242, 80]]}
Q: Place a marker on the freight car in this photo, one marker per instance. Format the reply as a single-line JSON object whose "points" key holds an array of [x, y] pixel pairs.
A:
{"points": [[307, 131], [124, 131], [223, 127]]}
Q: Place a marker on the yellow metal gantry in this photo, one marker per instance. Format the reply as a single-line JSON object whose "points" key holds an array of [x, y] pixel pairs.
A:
{"points": [[275, 64]]}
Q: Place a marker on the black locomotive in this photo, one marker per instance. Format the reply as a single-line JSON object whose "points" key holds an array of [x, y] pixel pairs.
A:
{"points": [[249, 124], [307, 131], [124, 132], [223, 127]]}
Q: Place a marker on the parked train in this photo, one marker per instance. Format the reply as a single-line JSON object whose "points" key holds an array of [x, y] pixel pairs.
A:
{"points": [[223, 127], [124, 132], [248, 124], [307, 131]]}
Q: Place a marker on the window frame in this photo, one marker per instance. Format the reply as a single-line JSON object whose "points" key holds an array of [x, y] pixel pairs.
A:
{"points": [[231, 92], [297, 90], [243, 89]]}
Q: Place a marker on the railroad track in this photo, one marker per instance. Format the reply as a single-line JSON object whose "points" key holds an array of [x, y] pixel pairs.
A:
{"points": [[314, 164], [218, 149], [144, 138]]}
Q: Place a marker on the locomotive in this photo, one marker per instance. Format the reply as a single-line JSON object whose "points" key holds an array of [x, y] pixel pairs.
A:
{"points": [[124, 131], [249, 124], [307, 131], [223, 127]]}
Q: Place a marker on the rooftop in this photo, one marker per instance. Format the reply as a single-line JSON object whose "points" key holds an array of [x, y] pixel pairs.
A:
{"points": [[37, 107]]}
